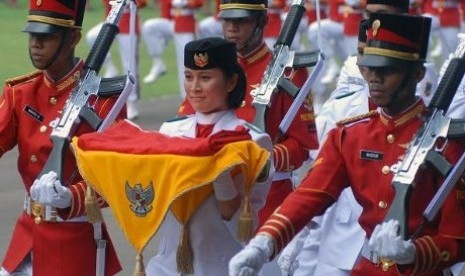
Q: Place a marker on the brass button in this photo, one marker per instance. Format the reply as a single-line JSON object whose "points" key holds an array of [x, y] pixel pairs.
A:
{"points": [[43, 129], [385, 169], [382, 204], [53, 100], [390, 138], [33, 158], [243, 103]]}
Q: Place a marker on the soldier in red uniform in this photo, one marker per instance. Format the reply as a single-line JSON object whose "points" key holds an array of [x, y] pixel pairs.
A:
{"points": [[243, 23], [52, 235], [361, 154]]}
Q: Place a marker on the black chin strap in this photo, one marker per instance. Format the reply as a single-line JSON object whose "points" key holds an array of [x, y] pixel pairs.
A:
{"points": [[247, 43], [59, 50], [403, 86]]}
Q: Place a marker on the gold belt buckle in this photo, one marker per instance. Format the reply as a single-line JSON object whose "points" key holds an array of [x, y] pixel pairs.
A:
{"points": [[37, 211], [386, 263]]}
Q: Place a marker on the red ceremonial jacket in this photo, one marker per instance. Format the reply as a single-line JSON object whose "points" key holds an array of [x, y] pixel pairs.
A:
{"points": [[184, 18], [361, 155], [29, 108], [448, 11], [274, 24]]}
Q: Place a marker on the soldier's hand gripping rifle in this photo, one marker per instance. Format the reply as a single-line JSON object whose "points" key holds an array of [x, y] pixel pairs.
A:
{"points": [[429, 141], [77, 106], [283, 59]]}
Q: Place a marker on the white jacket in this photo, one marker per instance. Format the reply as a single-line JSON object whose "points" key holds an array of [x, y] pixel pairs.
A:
{"points": [[212, 239]]}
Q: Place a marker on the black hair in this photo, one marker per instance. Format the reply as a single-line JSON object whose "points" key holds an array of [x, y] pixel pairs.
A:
{"points": [[237, 95]]}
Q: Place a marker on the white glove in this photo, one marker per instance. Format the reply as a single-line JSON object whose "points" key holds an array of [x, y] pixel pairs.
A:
{"points": [[250, 260], [288, 264], [179, 3], [385, 242], [224, 186], [287, 260], [48, 190]]}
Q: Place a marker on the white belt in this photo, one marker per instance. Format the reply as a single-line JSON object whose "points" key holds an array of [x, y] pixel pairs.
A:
{"points": [[45, 212], [282, 175], [182, 12], [437, 5]]}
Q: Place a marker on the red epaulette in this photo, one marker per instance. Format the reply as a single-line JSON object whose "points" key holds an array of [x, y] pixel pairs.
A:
{"points": [[357, 118], [16, 80]]}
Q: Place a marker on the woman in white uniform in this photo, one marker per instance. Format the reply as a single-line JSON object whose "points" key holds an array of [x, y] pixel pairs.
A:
{"points": [[214, 85]]}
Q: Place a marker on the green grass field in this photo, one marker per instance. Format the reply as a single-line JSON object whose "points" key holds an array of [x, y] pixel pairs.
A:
{"points": [[14, 59]]}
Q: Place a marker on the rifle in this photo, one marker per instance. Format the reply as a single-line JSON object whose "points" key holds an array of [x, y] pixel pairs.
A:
{"points": [[283, 58], [426, 147], [77, 107]]}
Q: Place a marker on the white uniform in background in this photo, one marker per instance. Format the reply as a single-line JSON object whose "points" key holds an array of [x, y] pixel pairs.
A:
{"points": [[156, 34], [210, 27]]}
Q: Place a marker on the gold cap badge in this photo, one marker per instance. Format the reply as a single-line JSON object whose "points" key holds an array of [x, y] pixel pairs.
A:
{"points": [[201, 60], [376, 25]]}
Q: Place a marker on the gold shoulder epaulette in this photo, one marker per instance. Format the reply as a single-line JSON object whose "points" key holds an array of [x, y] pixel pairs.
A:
{"points": [[357, 118], [23, 78]]}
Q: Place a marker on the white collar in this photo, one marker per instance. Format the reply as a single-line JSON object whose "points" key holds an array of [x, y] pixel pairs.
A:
{"points": [[209, 118]]}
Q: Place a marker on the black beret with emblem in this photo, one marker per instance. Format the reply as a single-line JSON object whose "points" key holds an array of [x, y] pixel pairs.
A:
{"points": [[48, 16], [394, 39], [403, 5], [241, 8], [210, 52]]}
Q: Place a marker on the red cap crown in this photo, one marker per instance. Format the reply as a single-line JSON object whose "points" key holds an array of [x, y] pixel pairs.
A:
{"points": [[47, 16], [395, 38]]}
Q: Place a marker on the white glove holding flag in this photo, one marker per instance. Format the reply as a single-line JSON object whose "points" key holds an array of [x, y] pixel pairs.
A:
{"points": [[250, 260], [385, 242], [48, 190]]}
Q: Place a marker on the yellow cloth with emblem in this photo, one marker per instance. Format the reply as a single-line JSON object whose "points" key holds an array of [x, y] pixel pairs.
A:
{"points": [[142, 174]]}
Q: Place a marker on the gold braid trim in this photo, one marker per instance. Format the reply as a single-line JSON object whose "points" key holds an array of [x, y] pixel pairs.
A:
{"points": [[391, 53], [54, 21], [357, 118], [259, 7], [23, 78]]}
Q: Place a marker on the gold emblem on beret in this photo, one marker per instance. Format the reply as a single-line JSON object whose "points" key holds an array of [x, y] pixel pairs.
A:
{"points": [[201, 60], [39, 3], [376, 25]]}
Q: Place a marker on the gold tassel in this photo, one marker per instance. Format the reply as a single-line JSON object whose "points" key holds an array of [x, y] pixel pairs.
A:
{"points": [[245, 227], [94, 214], [184, 253], [140, 268]]}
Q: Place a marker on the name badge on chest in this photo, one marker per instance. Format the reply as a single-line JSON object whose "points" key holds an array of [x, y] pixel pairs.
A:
{"points": [[34, 113], [371, 155]]}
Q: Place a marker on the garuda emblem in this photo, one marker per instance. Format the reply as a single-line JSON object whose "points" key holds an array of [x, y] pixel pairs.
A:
{"points": [[140, 198]]}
